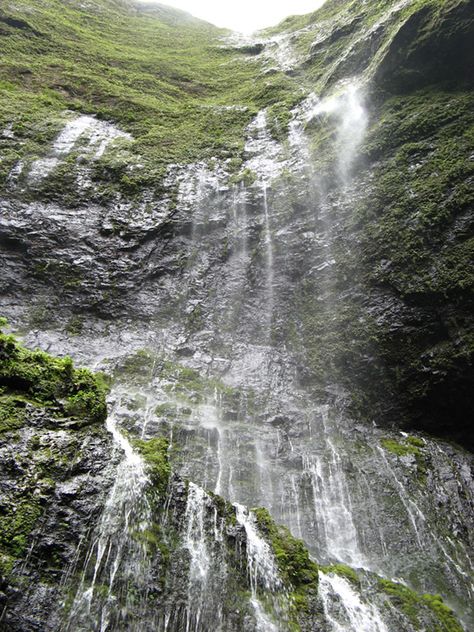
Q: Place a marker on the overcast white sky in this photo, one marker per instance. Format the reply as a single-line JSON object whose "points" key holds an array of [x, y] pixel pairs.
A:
{"points": [[244, 15]]}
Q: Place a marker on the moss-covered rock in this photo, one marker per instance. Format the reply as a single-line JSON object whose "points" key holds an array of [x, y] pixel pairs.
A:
{"points": [[155, 454], [297, 569], [55, 454], [38, 378], [414, 606]]}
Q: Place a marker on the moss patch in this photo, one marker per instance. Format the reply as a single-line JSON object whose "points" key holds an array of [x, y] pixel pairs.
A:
{"points": [[414, 606], [34, 384], [49, 381], [155, 454], [343, 570], [17, 524], [400, 449], [12, 413], [159, 74], [296, 567]]}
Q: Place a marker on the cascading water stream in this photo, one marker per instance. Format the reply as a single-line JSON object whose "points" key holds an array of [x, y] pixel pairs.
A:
{"points": [[265, 162], [195, 543], [263, 573], [345, 610], [117, 562], [268, 259], [332, 511]]}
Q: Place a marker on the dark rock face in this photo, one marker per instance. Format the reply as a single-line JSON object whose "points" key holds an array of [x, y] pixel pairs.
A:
{"points": [[71, 250], [58, 480], [279, 327], [434, 45]]}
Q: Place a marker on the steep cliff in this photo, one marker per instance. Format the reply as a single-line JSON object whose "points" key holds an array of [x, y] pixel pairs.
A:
{"points": [[266, 244]]}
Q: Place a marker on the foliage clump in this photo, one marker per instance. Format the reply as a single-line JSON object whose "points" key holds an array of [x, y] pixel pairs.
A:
{"points": [[400, 449], [292, 557], [30, 382], [155, 454], [414, 606], [37, 377], [343, 571]]}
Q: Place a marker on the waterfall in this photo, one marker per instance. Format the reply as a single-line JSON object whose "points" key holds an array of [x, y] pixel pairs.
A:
{"points": [[353, 124], [195, 543], [268, 258], [228, 266], [264, 160], [348, 109], [262, 569], [345, 610], [117, 564], [332, 501]]}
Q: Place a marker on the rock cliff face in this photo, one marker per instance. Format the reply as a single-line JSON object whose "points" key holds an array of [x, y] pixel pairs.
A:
{"points": [[266, 244], [57, 464]]}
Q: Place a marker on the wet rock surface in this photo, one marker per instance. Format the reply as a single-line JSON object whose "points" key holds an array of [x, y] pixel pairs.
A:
{"points": [[55, 481], [280, 328]]}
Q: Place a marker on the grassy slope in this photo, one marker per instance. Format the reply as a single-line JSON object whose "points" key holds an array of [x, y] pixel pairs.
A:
{"points": [[162, 76]]}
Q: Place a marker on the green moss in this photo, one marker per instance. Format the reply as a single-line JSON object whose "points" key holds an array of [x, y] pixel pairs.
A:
{"points": [[414, 606], [7, 562], [154, 539], [12, 413], [155, 454], [75, 326], [445, 616], [399, 336], [17, 524], [50, 381], [343, 570], [400, 449], [225, 509], [418, 442], [188, 385], [410, 446], [139, 367], [296, 567], [171, 84], [247, 176]]}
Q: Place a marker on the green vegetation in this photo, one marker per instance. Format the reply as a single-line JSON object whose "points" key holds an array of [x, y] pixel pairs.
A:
{"points": [[138, 367], [400, 449], [410, 446], [16, 526], [35, 382], [37, 377], [343, 570], [296, 567], [418, 442], [183, 383], [333, 39], [159, 74], [425, 139], [12, 413], [189, 385], [155, 454], [400, 336], [414, 606], [416, 242], [224, 508]]}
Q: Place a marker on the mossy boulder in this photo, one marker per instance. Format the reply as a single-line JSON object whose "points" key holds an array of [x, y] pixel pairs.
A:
{"points": [[42, 380]]}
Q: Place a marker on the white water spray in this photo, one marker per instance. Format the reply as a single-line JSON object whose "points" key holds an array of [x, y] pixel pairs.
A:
{"points": [[345, 610]]}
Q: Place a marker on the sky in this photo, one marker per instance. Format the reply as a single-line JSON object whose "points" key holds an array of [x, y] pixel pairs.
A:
{"points": [[245, 16]]}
